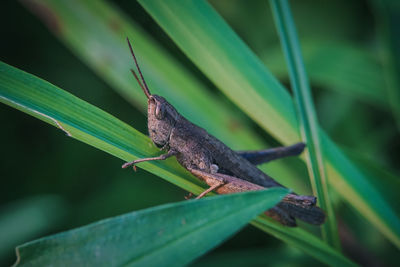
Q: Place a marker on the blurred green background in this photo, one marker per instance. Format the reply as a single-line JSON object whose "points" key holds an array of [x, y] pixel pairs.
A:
{"points": [[53, 183]]}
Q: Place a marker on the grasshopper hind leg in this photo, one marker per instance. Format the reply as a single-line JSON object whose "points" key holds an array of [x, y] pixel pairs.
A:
{"points": [[281, 216], [226, 184], [257, 157]]}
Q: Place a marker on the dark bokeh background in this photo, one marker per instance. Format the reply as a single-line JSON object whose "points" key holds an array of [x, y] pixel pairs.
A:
{"points": [[38, 160]]}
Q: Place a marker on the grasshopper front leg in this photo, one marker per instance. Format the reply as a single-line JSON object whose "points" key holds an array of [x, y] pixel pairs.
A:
{"points": [[170, 153]]}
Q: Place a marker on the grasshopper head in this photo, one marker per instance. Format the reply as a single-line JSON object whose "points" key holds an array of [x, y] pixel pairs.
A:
{"points": [[161, 117]]}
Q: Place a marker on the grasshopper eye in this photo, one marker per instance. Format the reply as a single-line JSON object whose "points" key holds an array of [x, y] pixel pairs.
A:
{"points": [[160, 111]]}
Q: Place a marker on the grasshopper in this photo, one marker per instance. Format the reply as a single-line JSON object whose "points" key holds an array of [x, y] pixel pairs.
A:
{"points": [[224, 170]]}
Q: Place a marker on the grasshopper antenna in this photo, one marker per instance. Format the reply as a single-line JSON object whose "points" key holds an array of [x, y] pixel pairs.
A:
{"points": [[144, 85]]}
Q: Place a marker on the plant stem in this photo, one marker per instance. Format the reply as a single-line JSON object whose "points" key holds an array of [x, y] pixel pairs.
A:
{"points": [[307, 116]]}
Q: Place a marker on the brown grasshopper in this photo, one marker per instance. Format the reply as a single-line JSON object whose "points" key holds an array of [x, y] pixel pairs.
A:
{"points": [[224, 170]]}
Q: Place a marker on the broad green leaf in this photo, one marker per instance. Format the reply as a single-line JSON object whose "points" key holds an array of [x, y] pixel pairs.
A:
{"points": [[307, 115], [43, 212], [169, 235], [95, 127], [220, 54], [96, 32]]}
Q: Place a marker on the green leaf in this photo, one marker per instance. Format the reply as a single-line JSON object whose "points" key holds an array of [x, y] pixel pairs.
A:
{"points": [[220, 54], [96, 32], [95, 127], [86, 123], [307, 115], [169, 235]]}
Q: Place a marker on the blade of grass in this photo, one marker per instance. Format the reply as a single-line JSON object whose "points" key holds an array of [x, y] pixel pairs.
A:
{"points": [[193, 228], [85, 123], [220, 54], [96, 32], [97, 128], [307, 116]]}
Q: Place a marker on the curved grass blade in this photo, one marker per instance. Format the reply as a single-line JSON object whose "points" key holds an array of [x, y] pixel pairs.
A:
{"points": [[86, 123], [307, 116], [220, 54], [96, 32], [95, 127], [169, 235]]}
